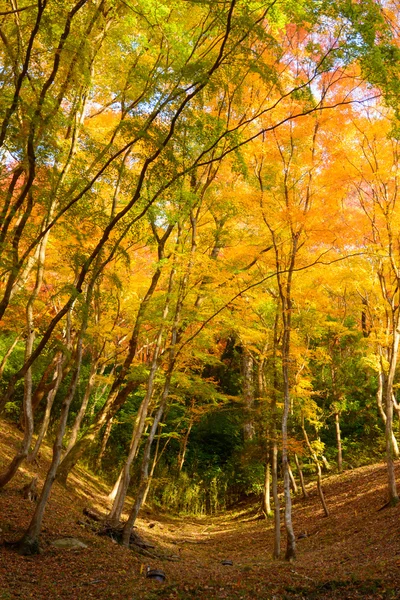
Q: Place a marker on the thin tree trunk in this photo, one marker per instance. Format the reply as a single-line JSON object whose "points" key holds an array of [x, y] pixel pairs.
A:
{"points": [[300, 472], [144, 471], [62, 367], [392, 489], [318, 469], [116, 510], [379, 401], [325, 462], [98, 396], [44, 386], [338, 443], [82, 411], [114, 402], [320, 490], [58, 376], [119, 500], [156, 459], [138, 427], [379, 393], [117, 395], [15, 463], [124, 479], [29, 543], [113, 493], [266, 499], [290, 537], [277, 508], [104, 442], [176, 334], [277, 514], [248, 393], [182, 451], [13, 467], [284, 287], [292, 479]]}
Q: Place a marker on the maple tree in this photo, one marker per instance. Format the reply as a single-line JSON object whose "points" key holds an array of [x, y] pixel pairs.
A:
{"points": [[175, 178], [376, 185]]}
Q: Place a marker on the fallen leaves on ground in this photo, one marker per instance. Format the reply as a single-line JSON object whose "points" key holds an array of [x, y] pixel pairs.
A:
{"points": [[352, 554]]}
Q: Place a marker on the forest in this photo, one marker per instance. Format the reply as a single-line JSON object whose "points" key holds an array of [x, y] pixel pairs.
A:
{"points": [[200, 255]]}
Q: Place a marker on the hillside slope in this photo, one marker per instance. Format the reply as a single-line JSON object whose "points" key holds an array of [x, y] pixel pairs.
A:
{"points": [[354, 553]]}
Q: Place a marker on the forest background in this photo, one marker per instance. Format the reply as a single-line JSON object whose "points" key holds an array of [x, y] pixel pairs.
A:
{"points": [[199, 239]]}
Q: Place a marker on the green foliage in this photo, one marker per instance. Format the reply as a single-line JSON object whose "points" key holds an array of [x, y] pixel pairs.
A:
{"points": [[190, 495], [16, 356], [13, 410]]}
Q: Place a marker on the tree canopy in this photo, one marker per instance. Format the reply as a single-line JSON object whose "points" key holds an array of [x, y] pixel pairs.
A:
{"points": [[199, 245]]}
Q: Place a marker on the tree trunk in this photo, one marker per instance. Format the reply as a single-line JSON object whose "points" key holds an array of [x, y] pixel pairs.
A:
{"points": [[144, 470], [119, 500], [15, 463], [116, 510], [277, 508], [114, 402], [290, 537], [104, 442], [62, 367], [156, 458], [58, 376], [113, 493], [379, 401], [325, 462], [44, 387], [379, 393], [320, 490], [318, 469], [81, 413], [300, 472], [182, 450], [392, 489], [248, 393], [118, 394], [125, 477], [29, 543], [292, 479], [13, 467], [266, 499], [338, 443]]}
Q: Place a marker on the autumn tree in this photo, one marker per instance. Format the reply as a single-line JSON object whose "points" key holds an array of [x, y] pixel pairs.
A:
{"points": [[376, 187]]}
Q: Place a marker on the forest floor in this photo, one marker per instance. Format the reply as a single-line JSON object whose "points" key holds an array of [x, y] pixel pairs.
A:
{"points": [[353, 553]]}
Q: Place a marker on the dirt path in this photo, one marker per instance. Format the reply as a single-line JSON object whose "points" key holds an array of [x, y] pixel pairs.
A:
{"points": [[354, 553]]}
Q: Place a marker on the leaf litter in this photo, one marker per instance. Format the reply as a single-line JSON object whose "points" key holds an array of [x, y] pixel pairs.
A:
{"points": [[352, 554]]}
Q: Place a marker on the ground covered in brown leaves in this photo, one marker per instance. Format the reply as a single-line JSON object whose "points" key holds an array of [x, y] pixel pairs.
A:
{"points": [[354, 553]]}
